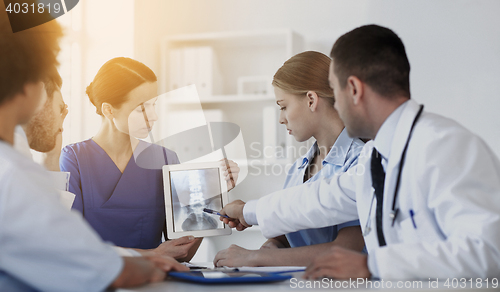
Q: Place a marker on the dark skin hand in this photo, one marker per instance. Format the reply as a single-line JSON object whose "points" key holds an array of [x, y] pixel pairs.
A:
{"points": [[139, 271], [339, 263], [275, 253]]}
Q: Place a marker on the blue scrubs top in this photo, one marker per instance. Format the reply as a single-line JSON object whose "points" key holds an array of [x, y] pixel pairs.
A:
{"points": [[343, 155], [127, 209]]}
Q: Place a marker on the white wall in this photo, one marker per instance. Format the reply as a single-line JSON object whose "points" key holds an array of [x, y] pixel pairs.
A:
{"points": [[453, 45], [95, 32]]}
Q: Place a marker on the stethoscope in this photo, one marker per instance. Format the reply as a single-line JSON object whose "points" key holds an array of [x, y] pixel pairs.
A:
{"points": [[394, 211]]}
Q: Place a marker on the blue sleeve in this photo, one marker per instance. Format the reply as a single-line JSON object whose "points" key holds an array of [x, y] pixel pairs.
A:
{"points": [[69, 162], [171, 156]]}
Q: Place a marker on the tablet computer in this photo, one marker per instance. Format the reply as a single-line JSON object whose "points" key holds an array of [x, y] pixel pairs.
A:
{"points": [[189, 188], [218, 277]]}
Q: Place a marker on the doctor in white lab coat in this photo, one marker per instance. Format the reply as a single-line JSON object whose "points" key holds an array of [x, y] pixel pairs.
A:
{"points": [[443, 222]]}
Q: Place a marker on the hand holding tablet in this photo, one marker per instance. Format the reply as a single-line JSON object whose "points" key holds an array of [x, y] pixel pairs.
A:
{"points": [[190, 188]]}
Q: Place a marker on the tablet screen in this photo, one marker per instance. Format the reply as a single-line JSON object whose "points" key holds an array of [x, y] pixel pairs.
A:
{"points": [[192, 191]]}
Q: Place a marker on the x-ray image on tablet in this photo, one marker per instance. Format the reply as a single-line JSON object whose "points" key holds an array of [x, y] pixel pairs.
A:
{"points": [[192, 191], [189, 189]]}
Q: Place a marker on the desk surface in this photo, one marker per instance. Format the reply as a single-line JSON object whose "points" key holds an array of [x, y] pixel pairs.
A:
{"points": [[424, 285]]}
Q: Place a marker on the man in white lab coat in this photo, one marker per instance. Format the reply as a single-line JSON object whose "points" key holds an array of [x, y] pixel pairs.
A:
{"points": [[43, 245], [443, 222], [43, 133]]}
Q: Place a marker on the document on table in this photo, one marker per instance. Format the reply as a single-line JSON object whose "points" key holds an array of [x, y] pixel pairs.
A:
{"points": [[277, 269]]}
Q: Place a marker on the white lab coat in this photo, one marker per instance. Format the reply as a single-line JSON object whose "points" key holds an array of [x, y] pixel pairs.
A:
{"points": [[59, 181], [43, 245], [450, 179]]}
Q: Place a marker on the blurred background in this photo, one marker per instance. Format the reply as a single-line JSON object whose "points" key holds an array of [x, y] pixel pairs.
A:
{"points": [[453, 47]]}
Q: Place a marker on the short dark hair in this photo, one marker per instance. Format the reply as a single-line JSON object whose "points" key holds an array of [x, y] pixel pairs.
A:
{"points": [[377, 56], [26, 56]]}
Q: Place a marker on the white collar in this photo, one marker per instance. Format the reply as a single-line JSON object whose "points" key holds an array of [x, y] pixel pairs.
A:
{"points": [[337, 154], [21, 142], [385, 135]]}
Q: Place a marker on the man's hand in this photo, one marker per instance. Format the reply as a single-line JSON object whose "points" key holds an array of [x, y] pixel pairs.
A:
{"points": [[231, 174], [143, 270], [339, 263], [235, 211], [235, 256]]}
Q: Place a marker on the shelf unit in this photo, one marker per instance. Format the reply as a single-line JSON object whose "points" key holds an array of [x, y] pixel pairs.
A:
{"points": [[241, 54], [228, 98], [237, 54]]}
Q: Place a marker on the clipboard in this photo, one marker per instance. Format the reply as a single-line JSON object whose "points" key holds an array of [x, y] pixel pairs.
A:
{"points": [[222, 277]]}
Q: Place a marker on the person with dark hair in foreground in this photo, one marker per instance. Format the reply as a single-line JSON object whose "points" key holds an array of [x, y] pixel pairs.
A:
{"points": [[43, 245], [426, 190]]}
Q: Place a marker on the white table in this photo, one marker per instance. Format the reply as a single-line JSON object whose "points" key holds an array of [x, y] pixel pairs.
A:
{"points": [[291, 285]]}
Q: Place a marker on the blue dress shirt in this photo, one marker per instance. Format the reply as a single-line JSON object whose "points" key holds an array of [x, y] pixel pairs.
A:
{"points": [[343, 155]]}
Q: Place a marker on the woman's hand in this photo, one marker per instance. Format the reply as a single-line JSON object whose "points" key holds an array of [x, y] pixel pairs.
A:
{"points": [[338, 263], [235, 256], [231, 171], [272, 243], [177, 248]]}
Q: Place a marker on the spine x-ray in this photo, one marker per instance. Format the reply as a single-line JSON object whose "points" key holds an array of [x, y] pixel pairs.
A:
{"points": [[192, 191]]}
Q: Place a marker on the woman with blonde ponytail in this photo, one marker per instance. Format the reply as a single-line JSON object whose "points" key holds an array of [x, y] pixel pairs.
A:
{"points": [[121, 198], [307, 110]]}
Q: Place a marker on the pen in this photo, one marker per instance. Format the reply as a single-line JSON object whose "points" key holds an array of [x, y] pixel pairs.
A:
{"points": [[412, 214], [210, 211]]}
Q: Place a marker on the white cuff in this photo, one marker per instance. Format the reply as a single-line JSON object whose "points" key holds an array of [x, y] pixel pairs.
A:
{"points": [[372, 265], [250, 212], [126, 252]]}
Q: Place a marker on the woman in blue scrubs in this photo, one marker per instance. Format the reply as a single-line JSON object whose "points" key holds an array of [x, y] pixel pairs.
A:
{"points": [[307, 110], [116, 177]]}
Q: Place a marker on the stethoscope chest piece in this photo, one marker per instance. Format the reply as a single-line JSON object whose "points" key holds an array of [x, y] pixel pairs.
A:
{"points": [[368, 229], [393, 215]]}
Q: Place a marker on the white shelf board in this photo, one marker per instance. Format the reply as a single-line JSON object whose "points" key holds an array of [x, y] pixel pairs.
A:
{"points": [[261, 162], [227, 99], [240, 36], [254, 228]]}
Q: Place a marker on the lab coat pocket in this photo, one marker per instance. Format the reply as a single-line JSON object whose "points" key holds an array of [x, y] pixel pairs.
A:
{"points": [[418, 228], [408, 232]]}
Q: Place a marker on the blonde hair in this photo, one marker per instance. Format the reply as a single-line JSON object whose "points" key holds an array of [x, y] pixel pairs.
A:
{"points": [[307, 71]]}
